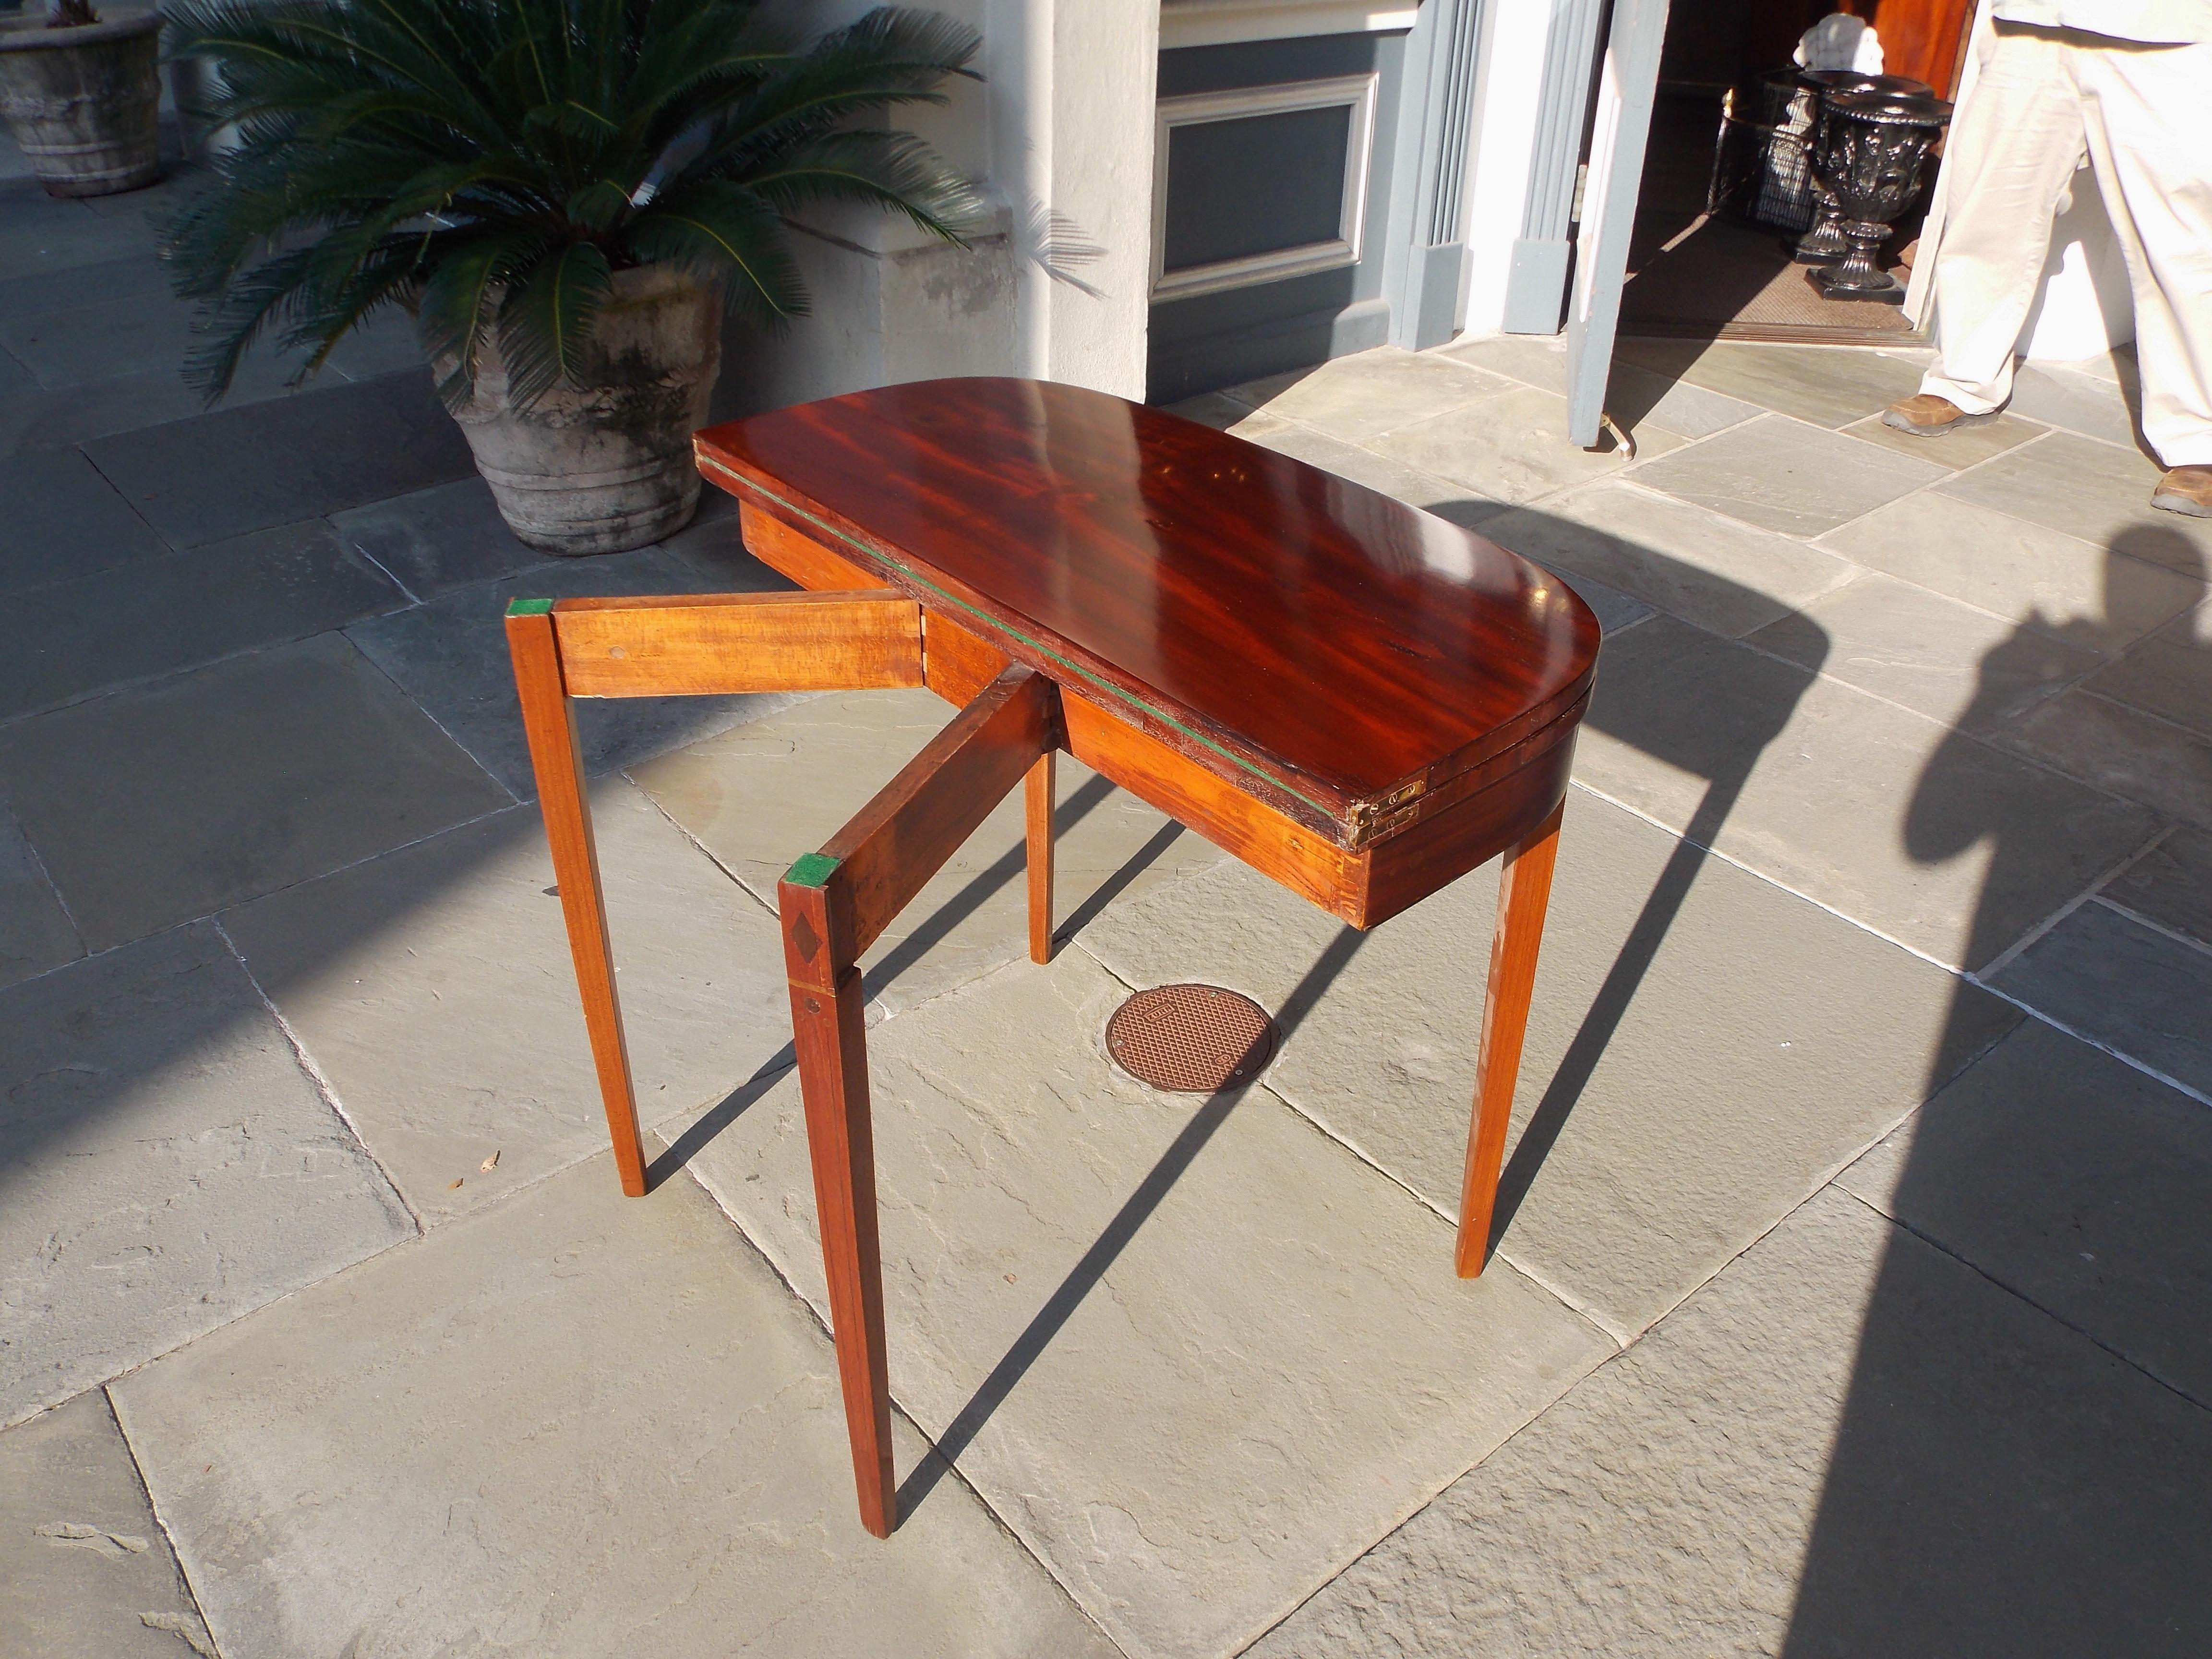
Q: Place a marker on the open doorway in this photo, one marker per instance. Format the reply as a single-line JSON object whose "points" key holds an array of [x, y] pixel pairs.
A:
{"points": [[1705, 269]]}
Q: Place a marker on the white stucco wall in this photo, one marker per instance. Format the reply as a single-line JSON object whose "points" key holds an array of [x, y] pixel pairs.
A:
{"points": [[1059, 134], [1510, 86]]}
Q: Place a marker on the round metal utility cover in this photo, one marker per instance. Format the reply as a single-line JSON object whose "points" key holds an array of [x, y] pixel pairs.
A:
{"points": [[1190, 1039]]}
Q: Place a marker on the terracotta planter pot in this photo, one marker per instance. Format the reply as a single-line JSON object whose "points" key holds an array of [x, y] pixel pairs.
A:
{"points": [[81, 101], [606, 466]]}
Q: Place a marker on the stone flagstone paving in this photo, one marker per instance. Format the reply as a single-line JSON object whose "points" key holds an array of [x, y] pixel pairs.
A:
{"points": [[1851, 1289]]}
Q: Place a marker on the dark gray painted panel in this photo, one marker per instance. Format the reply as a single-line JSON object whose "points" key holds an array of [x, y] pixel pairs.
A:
{"points": [[1213, 340], [1254, 184], [1264, 62], [1177, 322], [1246, 353]]}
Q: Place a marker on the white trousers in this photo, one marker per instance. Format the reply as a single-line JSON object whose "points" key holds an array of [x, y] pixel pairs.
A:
{"points": [[2143, 116]]}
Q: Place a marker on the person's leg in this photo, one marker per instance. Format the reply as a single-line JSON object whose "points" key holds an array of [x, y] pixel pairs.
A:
{"points": [[2149, 111], [2009, 154]]}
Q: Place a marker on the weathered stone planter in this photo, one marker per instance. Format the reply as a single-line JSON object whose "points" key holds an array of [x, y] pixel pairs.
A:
{"points": [[81, 102], [607, 465]]}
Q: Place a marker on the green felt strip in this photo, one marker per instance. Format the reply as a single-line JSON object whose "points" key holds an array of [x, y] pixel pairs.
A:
{"points": [[529, 607], [810, 870]]}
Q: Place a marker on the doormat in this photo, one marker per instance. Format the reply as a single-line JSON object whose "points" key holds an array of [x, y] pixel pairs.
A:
{"points": [[1713, 280]]}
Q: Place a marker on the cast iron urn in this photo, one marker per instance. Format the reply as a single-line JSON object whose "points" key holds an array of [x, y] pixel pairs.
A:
{"points": [[1872, 146], [1826, 243]]}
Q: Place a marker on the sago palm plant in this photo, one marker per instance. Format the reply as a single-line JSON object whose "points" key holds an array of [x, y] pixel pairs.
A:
{"points": [[491, 164]]}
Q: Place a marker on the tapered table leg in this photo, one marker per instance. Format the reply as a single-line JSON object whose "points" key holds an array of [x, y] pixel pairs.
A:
{"points": [[547, 722], [829, 1031], [1523, 891], [1038, 798]]}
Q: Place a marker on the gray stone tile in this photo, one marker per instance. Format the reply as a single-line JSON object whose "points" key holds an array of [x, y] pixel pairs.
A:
{"points": [[450, 655], [1441, 497], [33, 418], [1680, 1091], [1194, 1353], [1935, 656], [43, 236], [1849, 1443], [1253, 394], [385, 343], [2074, 1181], [1707, 569], [711, 545], [86, 1572], [36, 932], [169, 1166], [1615, 609], [156, 805], [437, 538], [133, 334], [63, 641], [2096, 406], [113, 279], [2098, 492], [1827, 386], [1212, 409], [1930, 837], [549, 1428], [1371, 392], [2139, 991], [1537, 360], [135, 207], [2169, 674], [2171, 885], [1785, 476], [2115, 368], [2119, 748], [1633, 395], [238, 469], [63, 519], [1512, 448], [2040, 577], [758, 796], [432, 987], [1958, 449]]}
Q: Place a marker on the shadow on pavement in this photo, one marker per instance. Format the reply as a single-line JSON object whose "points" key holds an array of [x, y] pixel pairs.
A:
{"points": [[2008, 1477]]}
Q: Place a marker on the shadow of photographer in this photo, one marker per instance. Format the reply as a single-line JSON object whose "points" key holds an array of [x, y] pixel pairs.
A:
{"points": [[2023, 1464]]}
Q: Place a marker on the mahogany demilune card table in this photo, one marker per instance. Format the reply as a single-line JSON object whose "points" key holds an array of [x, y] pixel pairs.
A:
{"points": [[1355, 697]]}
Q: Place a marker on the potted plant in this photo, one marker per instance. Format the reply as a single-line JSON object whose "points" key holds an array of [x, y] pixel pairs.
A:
{"points": [[81, 95], [567, 195]]}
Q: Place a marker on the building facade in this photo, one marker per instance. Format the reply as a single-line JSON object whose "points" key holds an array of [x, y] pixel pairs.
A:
{"points": [[1191, 194]]}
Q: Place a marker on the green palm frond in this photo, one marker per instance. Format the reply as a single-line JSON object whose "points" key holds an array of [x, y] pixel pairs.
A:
{"points": [[493, 163], [546, 320], [724, 234]]}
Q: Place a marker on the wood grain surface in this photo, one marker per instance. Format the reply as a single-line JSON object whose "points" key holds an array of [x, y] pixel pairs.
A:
{"points": [[700, 645], [1326, 648], [900, 839], [550, 729]]}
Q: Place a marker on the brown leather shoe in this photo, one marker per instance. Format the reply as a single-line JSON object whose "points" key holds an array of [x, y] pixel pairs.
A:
{"points": [[1924, 415], [2186, 489]]}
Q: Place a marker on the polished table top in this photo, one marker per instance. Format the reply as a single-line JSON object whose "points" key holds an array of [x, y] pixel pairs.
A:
{"points": [[1305, 637]]}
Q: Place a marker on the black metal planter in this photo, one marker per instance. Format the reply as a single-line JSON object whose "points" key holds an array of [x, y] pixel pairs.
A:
{"points": [[1872, 147]]}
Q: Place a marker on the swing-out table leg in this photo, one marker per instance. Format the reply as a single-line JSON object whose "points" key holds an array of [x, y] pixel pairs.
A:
{"points": [[834, 905], [829, 1034]]}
